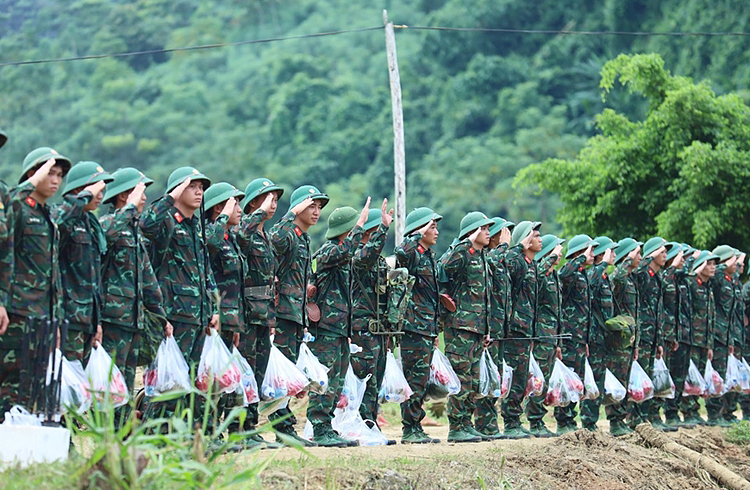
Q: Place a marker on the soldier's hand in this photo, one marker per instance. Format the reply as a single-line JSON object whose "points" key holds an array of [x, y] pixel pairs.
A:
{"points": [[505, 236], [635, 354], [659, 352], [236, 339], [42, 172], [436, 343], [700, 268], [136, 195], [657, 252], [364, 214], [633, 254], [678, 259], [98, 336], [424, 229], [558, 353], [696, 253], [557, 251], [710, 354], [95, 188], [214, 323], [589, 253], [302, 206], [731, 350], [4, 320], [609, 256], [272, 331], [57, 343], [487, 341], [474, 235], [229, 207], [177, 191], [587, 350], [386, 216], [267, 202], [675, 346], [168, 330], [526, 242]]}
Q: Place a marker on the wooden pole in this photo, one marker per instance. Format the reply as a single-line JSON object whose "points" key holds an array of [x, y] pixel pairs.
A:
{"points": [[399, 154]]}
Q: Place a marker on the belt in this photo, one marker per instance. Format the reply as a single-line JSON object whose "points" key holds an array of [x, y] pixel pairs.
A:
{"points": [[260, 292]]}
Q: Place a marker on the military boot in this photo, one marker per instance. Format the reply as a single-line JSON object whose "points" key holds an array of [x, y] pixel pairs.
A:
{"points": [[538, 429], [411, 436], [590, 427], [430, 440], [565, 428], [348, 442], [291, 438], [619, 428], [718, 422], [329, 439], [693, 418], [659, 425], [515, 431], [462, 435], [484, 436]]}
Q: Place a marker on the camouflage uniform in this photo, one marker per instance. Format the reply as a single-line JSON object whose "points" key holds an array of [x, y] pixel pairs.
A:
{"points": [[82, 245], [737, 333], [331, 346], [677, 304], [745, 398], [724, 298], [602, 309], [576, 320], [703, 319], [260, 305], [33, 289], [369, 271], [420, 327], [521, 324], [468, 274]]}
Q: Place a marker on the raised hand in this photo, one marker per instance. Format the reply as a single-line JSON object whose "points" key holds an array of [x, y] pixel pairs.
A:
{"points": [[475, 234], [557, 251], [302, 206], [364, 214], [136, 195], [526, 242], [229, 206], [177, 191], [268, 201], [426, 227], [96, 187], [42, 172], [386, 216], [505, 236]]}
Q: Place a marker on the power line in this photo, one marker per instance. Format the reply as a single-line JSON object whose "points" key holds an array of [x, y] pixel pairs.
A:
{"points": [[574, 33]]}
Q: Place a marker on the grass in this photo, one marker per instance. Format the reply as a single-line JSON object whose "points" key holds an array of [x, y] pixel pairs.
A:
{"points": [[739, 434]]}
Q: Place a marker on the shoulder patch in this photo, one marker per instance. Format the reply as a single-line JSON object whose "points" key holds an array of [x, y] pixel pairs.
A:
{"points": [[226, 236], [178, 217], [471, 250], [30, 201], [651, 273], [420, 248], [528, 260], [297, 231], [604, 275]]}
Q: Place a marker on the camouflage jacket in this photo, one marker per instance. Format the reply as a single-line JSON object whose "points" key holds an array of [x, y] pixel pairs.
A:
{"points": [[576, 300], [724, 299], [651, 314], [626, 298], [128, 281], [292, 246], [470, 281], [6, 241], [421, 316], [683, 326], [548, 302], [500, 299], [180, 259], [671, 307], [34, 286], [737, 332], [369, 272], [524, 283], [82, 245], [229, 268], [333, 282], [602, 304], [703, 313], [260, 271]]}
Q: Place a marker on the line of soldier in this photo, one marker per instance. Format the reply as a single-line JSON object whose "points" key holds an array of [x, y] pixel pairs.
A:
{"points": [[139, 273]]}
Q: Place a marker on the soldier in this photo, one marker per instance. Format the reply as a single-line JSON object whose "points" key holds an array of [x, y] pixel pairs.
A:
{"points": [[602, 309], [259, 205], [485, 413], [32, 272], [547, 346], [369, 274], [6, 251], [467, 327], [724, 340], [744, 398], [737, 331], [525, 244], [180, 259], [130, 290], [292, 245], [333, 296], [421, 319], [621, 337]]}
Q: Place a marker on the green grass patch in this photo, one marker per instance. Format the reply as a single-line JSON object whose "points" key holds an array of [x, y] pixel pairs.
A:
{"points": [[739, 434]]}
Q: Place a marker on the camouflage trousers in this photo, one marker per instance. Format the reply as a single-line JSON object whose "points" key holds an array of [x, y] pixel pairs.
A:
{"points": [[485, 411], [574, 357], [690, 404], [122, 344], [733, 398], [370, 361], [464, 350], [649, 409], [332, 352], [78, 342], [416, 354], [287, 339], [229, 401], [10, 364], [255, 345], [618, 362], [677, 362], [718, 407], [744, 398], [590, 408], [544, 353], [516, 354]]}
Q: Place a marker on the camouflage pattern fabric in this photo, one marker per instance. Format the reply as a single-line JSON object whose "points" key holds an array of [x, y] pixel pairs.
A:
{"points": [[255, 244], [516, 354], [463, 347], [574, 356], [545, 354], [421, 315], [288, 338], [78, 343], [500, 297], [229, 269], [333, 352], [469, 280], [485, 411], [678, 305], [6, 244], [122, 344], [416, 354], [292, 246], [370, 361]]}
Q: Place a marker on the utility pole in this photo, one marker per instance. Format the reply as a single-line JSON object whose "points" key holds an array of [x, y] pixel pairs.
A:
{"points": [[399, 154]]}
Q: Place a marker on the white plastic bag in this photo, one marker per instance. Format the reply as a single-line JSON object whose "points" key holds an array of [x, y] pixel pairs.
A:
{"points": [[506, 380], [591, 390], [105, 379], [282, 378], [19, 416], [350, 426], [714, 383], [168, 372], [732, 377], [565, 386], [443, 379], [614, 391], [307, 432], [353, 390], [640, 386], [535, 382], [663, 384], [249, 386], [490, 379], [395, 387], [745, 376], [216, 368], [694, 385], [317, 373], [74, 385]]}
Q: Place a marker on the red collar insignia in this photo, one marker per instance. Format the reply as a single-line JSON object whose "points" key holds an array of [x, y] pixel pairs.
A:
{"points": [[651, 273], [700, 283], [420, 248], [528, 261], [297, 231], [580, 269], [471, 250], [604, 275], [226, 236], [178, 217], [727, 278], [30, 201]]}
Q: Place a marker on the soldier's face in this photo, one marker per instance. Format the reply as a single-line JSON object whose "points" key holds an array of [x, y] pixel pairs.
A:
{"points": [[431, 235], [50, 184], [536, 241], [483, 238], [636, 258], [311, 214], [741, 263], [192, 197], [95, 202], [731, 265], [234, 218], [711, 268], [660, 258]]}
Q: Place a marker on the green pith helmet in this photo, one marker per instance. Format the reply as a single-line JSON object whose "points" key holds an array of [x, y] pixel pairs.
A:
{"points": [[704, 256], [256, 188], [219, 193], [522, 230], [673, 248], [605, 243], [373, 219], [302, 193], [181, 174], [37, 158], [341, 221], [418, 218], [549, 242], [510, 225], [3, 138], [83, 174], [472, 221], [624, 247], [687, 249], [123, 180], [652, 245], [500, 223], [724, 252], [578, 243]]}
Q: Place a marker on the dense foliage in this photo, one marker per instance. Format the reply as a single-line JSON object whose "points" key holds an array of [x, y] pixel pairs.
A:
{"points": [[478, 106]]}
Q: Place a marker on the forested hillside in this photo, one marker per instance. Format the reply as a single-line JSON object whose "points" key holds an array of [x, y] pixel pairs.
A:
{"points": [[478, 106]]}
